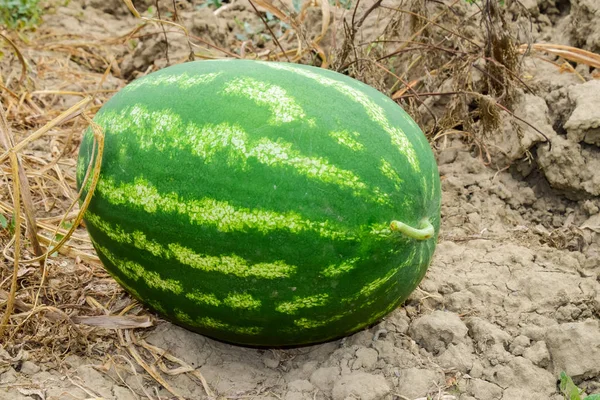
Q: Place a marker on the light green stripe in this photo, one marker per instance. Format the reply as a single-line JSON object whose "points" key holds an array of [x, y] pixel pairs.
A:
{"points": [[182, 81], [81, 168], [136, 272], [375, 317], [204, 298], [127, 287], [389, 172], [208, 322], [209, 212], [334, 270], [234, 300], [375, 112], [283, 106], [232, 265], [372, 286], [242, 301], [376, 284], [165, 129], [116, 233], [347, 139], [156, 305], [307, 323], [291, 307]]}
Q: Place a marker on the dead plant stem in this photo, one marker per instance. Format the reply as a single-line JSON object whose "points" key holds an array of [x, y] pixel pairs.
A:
{"points": [[269, 29], [17, 206]]}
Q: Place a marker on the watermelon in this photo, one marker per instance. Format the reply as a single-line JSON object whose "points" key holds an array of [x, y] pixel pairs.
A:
{"points": [[262, 203]]}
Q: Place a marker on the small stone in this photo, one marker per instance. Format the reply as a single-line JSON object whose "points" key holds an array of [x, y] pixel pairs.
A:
{"points": [[437, 330], [270, 362], [365, 358], [477, 370], [324, 378], [538, 354], [590, 207], [417, 382], [518, 345], [123, 393], [9, 376], [485, 390], [360, 385], [29, 368], [575, 348], [520, 393], [485, 333], [294, 396], [301, 385], [521, 373], [457, 357]]}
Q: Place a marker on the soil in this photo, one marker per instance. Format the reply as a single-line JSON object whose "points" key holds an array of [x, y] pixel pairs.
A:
{"points": [[511, 299]]}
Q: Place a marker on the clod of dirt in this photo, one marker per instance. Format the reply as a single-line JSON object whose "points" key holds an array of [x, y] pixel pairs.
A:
{"points": [[113, 7], [544, 78], [360, 385], [538, 354], [207, 26], [485, 333], [585, 29], [437, 330], [584, 123], [300, 385], [570, 167], [482, 389], [519, 344], [144, 56], [237, 376], [29, 368], [458, 357], [365, 358], [575, 348], [517, 138], [520, 374], [325, 378], [418, 382]]}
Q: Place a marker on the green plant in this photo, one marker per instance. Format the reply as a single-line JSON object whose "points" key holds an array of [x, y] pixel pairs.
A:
{"points": [[210, 3], [571, 391], [3, 222], [19, 14], [262, 203], [7, 224]]}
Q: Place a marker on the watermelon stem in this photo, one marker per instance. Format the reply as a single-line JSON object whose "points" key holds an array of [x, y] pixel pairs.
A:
{"points": [[423, 232]]}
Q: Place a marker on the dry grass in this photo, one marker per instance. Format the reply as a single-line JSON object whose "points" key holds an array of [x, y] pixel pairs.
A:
{"points": [[55, 296]]}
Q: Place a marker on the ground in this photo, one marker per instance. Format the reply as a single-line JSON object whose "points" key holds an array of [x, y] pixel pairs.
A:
{"points": [[511, 299]]}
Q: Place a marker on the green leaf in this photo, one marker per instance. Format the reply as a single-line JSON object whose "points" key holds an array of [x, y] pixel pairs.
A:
{"points": [[297, 5], [3, 222], [593, 397], [568, 388]]}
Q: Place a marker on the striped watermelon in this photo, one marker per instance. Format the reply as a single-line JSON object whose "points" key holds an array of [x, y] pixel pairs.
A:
{"points": [[265, 204]]}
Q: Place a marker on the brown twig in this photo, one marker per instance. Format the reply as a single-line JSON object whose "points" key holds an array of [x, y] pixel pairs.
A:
{"points": [[17, 206], [270, 30], [567, 52], [164, 32], [351, 33], [7, 142], [495, 103], [19, 56]]}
